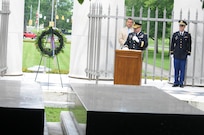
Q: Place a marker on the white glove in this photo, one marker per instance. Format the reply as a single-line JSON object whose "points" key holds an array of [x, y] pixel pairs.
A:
{"points": [[135, 38], [125, 47]]}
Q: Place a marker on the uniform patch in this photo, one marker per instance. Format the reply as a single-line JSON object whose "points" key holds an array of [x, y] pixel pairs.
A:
{"points": [[142, 44]]}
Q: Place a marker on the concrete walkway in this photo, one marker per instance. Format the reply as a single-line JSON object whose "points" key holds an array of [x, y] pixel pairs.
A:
{"points": [[155, 71]]}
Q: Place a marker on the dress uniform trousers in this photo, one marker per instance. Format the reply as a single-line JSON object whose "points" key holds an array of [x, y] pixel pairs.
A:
{"points": [[179, 71]]}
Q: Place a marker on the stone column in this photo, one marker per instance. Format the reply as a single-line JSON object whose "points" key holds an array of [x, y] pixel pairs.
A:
{"points": [[194, 64], [80, 26], [15, 37]]}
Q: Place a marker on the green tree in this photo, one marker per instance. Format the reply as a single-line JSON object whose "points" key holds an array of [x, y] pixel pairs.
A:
{"points": [[152, 5], [62, 8], [30, 7], [80, 1]]}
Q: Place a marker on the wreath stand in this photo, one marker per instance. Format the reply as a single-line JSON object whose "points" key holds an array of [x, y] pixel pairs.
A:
{"points": [[52, 51], [49, 68]]}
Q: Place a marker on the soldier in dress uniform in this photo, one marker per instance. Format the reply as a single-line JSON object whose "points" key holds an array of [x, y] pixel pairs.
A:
{"points": [[136, 40], [180, 49]]}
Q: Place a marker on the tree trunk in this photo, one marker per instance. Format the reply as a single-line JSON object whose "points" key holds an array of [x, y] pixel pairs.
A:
{"points": [[157, 46]]}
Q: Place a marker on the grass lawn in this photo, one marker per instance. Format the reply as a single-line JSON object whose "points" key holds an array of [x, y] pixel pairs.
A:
{"points": [[31, 57], [158, 62], [53, 114], [79, 113]]}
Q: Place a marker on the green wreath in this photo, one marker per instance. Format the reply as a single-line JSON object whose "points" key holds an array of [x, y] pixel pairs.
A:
{"points": [[50, 42]]}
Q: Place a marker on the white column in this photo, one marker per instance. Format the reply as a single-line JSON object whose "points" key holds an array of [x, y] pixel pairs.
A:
{"points": [[15, 37], [80, 25], [191, 6]]}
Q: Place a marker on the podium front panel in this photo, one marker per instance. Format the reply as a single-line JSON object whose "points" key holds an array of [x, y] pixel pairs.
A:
{"points": [[128, 67]]}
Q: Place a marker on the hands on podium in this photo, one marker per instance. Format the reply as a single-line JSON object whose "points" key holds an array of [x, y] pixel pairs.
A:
{"points": [[125, 47]]}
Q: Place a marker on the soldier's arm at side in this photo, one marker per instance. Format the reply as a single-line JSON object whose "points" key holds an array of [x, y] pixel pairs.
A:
{"points": [[143, 43], [189, 45], [172, 44]]}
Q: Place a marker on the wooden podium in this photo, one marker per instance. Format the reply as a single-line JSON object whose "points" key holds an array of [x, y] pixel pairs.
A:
{"points": [[128, 67]]}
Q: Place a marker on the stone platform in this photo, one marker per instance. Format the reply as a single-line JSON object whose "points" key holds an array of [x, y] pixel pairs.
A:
{"points": [[21, 108], [120, 109], [53, 91]]}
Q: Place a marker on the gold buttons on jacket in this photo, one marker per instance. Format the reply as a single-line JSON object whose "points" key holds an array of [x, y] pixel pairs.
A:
{"points": [[181, 43]]}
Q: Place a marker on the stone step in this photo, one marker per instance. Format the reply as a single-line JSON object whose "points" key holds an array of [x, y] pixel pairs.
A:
{"points": [[58, 104], [54, 128], [69, 124], [45, 125]]}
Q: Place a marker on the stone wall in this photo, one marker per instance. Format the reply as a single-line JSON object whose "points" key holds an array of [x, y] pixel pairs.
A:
{"points": [[80, 34]]}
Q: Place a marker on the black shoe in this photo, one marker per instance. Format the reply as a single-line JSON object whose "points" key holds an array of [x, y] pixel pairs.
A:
{"points": [[181, 85], [175, 85]]}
